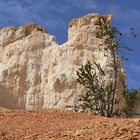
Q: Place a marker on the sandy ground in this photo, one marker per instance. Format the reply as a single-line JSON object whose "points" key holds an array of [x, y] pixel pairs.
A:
{"points": [[51, 124]]}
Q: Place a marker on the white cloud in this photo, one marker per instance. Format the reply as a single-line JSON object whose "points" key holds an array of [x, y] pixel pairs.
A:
{"points": [[88, 4], [127, 16], [85, 4], [20, 12]]}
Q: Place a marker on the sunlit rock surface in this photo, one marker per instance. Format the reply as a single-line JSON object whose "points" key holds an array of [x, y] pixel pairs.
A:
{"points": [[36, 72]]}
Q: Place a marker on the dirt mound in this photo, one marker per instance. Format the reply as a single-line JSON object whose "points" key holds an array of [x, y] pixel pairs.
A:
{"points": [[53, 124]]}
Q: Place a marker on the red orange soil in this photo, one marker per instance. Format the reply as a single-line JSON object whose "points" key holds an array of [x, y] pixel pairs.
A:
{"points": [[53, 124]]}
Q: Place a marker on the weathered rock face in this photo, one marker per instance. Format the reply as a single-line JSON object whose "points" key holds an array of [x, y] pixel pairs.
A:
{"points": [[36, 72]]}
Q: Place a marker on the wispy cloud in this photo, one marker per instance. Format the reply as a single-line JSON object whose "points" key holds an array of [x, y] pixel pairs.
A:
{"points": [[129, 17], [88, 4], [16, 11], [20, 12], [54, 15]]}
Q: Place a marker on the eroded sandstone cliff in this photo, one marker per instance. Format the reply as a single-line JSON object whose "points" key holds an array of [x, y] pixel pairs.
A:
{"points": [[36, 72]]}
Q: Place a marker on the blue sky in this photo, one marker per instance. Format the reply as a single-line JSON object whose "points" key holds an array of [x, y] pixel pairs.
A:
{"points": [[55, 15]]}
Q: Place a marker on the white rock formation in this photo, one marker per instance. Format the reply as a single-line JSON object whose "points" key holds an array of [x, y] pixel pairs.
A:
{"points": [[36, 72]]}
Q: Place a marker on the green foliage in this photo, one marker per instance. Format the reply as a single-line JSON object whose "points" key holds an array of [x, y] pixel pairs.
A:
{"points": [[113, 38], [130, 96], [98, 97], [106, 30], [101, 95]]}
